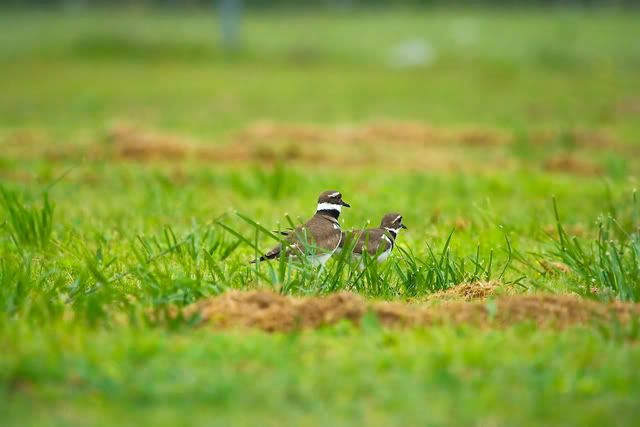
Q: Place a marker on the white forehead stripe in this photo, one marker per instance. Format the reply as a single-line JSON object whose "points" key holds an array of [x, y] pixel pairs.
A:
{"points": [[329, 207], [334, 194], [397, 218]]}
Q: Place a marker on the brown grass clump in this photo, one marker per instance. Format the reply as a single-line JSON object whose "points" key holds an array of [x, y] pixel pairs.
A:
{"points": [[375, 132], [130, 142], [16, 175], [592, 138], [23, 137], [272, 312], [467, 292], [577, 137], [570, 164], [395, 145], [268, 143], [423, 147], [545, 310], [462, 223], [266, 131], [628, 107]]}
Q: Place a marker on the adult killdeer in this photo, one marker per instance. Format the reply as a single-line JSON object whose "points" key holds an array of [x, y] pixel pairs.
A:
{"points": [[377, 242], [319, 237]]}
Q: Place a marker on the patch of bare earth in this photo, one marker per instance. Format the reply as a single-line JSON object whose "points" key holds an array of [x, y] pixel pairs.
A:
{"points": [[403, 133], [576, 137], [396, 145], [423, 146], [272, 312], [571, 164], [627, 107], [415, 146]]}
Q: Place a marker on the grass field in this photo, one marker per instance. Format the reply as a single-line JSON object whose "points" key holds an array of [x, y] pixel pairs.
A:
{"points": [[137, 156]]}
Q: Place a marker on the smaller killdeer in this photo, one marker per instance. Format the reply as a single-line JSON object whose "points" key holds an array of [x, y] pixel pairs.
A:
{"points": [[377, 242], [319, 237]]}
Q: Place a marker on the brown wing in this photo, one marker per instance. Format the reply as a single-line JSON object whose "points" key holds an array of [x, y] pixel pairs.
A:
{"points": [[325, 234], [372, 241], [347, 238], [317, 234]]}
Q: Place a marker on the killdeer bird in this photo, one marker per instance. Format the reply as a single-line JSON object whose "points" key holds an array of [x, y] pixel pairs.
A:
{"points": [[319, 237], [377, 242]]}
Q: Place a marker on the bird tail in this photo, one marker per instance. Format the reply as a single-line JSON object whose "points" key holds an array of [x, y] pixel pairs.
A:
{"points": [[262, 258], [271, 255]]}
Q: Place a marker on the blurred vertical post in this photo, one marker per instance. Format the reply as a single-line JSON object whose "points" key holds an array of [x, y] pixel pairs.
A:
{"points": [[229, 12]]}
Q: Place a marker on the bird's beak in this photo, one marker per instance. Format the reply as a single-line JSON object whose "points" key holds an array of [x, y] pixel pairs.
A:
{"points": [[345, 204], [403, 226]]}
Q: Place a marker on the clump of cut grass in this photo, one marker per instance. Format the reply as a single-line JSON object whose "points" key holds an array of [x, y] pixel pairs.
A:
{"points": [[28, 225], [609, 265], [280, 313]]}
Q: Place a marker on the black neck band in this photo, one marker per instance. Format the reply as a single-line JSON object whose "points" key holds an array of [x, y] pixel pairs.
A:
{"points": [[333, 213], [393, 233]]}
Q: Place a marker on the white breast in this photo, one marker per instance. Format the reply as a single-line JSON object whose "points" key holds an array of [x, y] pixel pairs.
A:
{"points": [[321, 259], [384, 255]]}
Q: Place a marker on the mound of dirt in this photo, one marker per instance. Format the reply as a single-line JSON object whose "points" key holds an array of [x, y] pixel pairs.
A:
{"points": [[129, 142], [468, 149], [265, 142], [569, 164], [545, 310], [577, 137], [277, 313], [396, 132], [273, 312]]}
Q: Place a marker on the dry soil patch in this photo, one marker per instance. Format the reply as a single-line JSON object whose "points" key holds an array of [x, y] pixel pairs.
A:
{"points": [[272, 312]]}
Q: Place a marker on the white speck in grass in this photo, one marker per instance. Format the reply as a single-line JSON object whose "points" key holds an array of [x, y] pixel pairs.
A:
{"points": [[411, 54]]}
